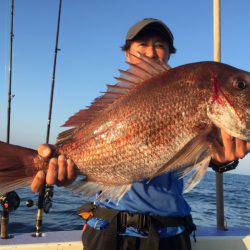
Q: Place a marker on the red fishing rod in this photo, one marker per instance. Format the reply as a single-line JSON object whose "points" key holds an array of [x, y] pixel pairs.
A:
{"points": [[45, 196]]}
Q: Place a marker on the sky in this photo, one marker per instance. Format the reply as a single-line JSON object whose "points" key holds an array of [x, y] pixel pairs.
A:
{"points": [[90, 38]]}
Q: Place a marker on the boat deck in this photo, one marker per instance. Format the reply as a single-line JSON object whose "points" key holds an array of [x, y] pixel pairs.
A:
{"points": [[207, 238]]}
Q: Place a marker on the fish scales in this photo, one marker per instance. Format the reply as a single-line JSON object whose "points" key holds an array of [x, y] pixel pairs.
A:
{"points": [[145, 129]]}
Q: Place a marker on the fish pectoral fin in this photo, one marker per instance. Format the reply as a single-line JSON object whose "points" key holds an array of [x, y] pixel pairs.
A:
{"points": [[113, 193], [194, 157], [103, 192], [192, 153], [199, 170]]}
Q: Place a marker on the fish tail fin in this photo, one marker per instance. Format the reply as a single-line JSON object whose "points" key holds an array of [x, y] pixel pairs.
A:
{"points": [[17, 167]]}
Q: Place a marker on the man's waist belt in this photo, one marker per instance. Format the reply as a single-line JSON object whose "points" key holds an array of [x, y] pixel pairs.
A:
{"points": [[141, 222]]}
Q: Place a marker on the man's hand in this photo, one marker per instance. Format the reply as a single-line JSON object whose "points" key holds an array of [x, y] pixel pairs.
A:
{"points": [[230, 150], [60, 170]]}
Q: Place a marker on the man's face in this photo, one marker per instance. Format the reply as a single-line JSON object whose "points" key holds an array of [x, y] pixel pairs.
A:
{"points": [[152, 46]]}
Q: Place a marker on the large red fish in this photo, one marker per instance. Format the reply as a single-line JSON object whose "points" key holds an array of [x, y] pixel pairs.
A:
{"points": [[152, 121]]}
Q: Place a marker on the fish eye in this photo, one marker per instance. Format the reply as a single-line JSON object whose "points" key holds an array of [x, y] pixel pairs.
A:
{"points": [[240, 84]]}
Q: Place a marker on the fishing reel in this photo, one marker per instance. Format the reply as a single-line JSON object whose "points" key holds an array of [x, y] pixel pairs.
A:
{"points": [[44, 202], [10, 201], [48, 195]]}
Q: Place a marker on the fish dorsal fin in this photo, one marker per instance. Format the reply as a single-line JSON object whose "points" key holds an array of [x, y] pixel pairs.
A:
{"points": [[137, 75]]}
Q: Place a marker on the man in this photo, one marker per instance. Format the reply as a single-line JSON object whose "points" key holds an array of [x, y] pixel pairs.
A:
{"points": [[151, 215]]}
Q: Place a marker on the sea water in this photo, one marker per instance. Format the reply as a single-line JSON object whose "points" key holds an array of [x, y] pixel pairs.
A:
{"points": [[202, 199]]}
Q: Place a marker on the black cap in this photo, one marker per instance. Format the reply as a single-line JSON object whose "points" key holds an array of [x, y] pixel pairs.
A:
{"points": [[154, 24]]}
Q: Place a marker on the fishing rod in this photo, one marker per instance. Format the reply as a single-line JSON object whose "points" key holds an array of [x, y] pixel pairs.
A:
{"points": [[45, 196], [10, 72], [10, 201], [54, 72]]}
